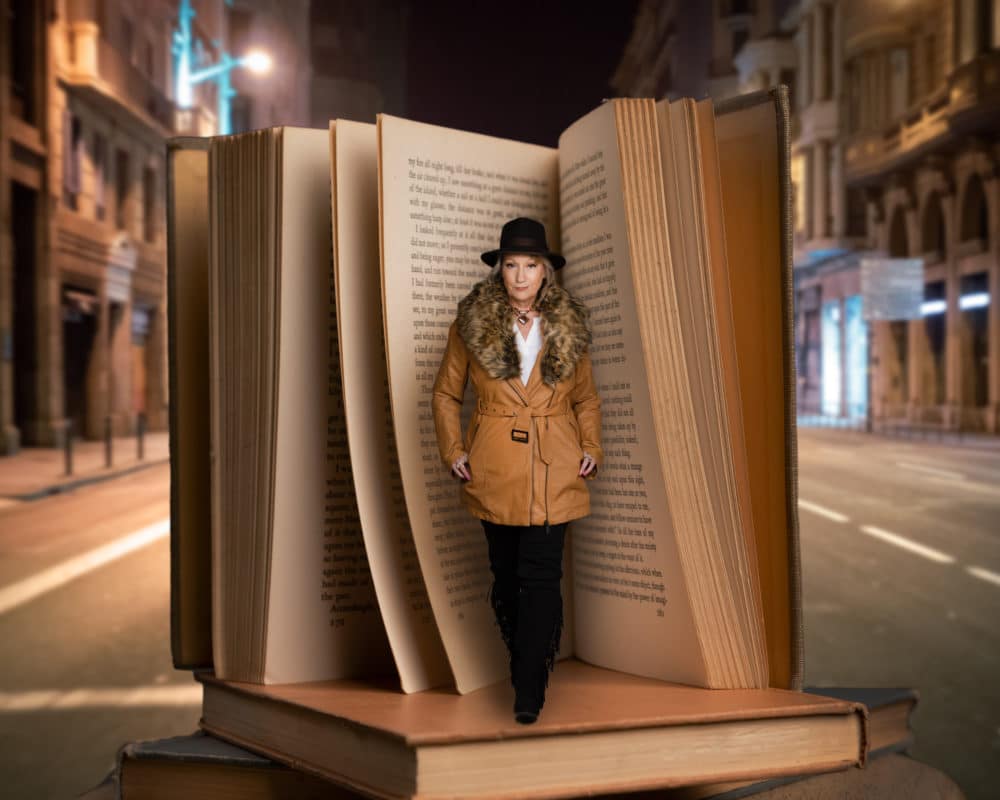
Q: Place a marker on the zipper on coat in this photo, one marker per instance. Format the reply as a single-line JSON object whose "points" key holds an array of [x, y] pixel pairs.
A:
{"points": [[531, 470], [546, 486]]}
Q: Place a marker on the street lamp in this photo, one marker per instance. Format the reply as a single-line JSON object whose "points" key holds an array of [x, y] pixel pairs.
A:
{"points": [[256, 61]]}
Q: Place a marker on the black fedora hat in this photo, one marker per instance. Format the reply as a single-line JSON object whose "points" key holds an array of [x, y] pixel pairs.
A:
{"points": [[523, 235]]}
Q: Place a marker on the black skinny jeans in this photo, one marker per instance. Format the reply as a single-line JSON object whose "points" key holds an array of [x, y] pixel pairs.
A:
{"points": [[526, 562]]}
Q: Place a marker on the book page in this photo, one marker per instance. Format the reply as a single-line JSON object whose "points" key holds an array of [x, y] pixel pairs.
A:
{"points": [[444, 196], [323, 618], [631, 605], [399, 584]]}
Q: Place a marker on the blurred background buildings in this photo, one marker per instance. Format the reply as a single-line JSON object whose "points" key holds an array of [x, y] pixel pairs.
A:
{"points": [[895, 118], [895, 112], [89, 94]]}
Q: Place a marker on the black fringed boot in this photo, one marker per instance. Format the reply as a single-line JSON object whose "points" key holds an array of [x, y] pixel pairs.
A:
{"points": [[503, 598], [540, 623]]}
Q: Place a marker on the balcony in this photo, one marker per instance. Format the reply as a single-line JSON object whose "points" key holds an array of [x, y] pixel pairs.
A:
{"points": [[96, 69], [968, 103]]}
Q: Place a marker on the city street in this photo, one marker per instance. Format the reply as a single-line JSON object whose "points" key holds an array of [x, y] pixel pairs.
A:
{"points": [[901, 575], [901, 584], [86, 663]]}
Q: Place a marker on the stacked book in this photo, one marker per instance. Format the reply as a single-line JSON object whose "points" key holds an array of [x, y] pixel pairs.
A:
{"points": [[202, 767], [328, 589]]}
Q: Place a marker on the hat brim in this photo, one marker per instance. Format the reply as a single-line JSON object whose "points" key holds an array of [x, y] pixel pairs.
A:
{"points": [[490, 257]]}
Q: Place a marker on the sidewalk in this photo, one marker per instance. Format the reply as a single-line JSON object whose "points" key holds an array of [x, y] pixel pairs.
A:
{"points": [[36, 472], [890, 431]]}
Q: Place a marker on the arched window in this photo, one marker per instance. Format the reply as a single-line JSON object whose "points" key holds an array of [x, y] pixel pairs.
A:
{"points": [[974, 217], [932, 230], [898, 245]]}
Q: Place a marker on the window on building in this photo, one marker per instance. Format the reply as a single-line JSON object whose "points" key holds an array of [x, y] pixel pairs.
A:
{"points": [[857, 212], [740, 36], [899, 82], [932, 230], [149, 204], [121, 188], [23, 63], [72, 158], [826, 52], [100, 175], [899, 246], [975, 214]]}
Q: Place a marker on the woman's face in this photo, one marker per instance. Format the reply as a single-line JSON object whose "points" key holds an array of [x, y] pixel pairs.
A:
{"points": [[522, 276]]}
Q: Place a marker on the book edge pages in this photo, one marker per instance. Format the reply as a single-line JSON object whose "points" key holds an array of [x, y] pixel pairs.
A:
{"points": [[778, 97], [719, 280]]}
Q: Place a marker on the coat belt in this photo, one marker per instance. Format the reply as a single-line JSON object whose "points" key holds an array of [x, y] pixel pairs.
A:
{"points": [[524, 418], [502, 410]]}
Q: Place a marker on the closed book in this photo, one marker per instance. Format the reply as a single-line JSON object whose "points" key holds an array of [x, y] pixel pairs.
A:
{"points": [[602, 730]]}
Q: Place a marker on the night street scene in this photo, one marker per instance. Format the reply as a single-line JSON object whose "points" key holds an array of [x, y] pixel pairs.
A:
{"points": [[891, 381]]}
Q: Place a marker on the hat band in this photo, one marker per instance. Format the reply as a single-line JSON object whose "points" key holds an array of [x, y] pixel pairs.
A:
{"points": [[522, 241]]}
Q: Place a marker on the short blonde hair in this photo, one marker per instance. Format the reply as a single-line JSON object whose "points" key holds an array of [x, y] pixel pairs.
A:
{"points": [[547, 281]]}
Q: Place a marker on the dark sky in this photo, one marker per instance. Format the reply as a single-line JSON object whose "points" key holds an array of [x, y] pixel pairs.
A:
{"points": [[521, 70]]}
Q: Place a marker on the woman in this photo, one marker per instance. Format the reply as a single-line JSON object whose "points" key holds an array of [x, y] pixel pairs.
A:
{"points": [[533, 439]]}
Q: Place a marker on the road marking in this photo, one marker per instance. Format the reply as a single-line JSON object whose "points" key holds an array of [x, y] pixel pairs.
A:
{"points": [[984, 574], [121, 697], [939, 473], [822, 511], [907, 544], [17, 594]]}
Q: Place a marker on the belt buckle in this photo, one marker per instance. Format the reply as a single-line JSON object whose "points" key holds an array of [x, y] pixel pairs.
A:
{"points": [[517, 435]]}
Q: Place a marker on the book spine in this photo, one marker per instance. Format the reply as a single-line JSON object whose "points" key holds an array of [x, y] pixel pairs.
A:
{"points": [[780, 97], [182, 659]]}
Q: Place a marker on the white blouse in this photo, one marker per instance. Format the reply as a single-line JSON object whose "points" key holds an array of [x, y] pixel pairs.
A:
{"points": [[528, 348]]}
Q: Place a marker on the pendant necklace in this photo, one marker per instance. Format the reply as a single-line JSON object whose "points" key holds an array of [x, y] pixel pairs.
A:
{"points": [[521, 314]]}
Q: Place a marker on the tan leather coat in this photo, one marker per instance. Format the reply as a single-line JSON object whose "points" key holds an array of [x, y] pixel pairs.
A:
{"points": [[524, 443]]}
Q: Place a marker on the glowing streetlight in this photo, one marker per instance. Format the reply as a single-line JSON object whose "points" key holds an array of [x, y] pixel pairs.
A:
{"points": [[257, 61]]}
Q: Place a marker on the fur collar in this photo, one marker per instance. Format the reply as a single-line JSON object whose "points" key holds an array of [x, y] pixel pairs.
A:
{"points": [[486, 325]]}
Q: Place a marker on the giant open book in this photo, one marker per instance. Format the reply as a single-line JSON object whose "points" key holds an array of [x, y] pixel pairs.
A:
{"points": [[342, 563]]}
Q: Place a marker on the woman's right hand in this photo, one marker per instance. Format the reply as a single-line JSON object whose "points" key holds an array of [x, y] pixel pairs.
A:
{"points": [[461, 469]]}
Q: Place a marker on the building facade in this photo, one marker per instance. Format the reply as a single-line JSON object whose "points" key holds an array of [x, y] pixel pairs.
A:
{"points": [[895, 154], [87, 102]]}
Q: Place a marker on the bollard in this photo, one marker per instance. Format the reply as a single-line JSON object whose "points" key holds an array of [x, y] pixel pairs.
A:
{"points": [[141, 432], [107, 441], [68, 447]]}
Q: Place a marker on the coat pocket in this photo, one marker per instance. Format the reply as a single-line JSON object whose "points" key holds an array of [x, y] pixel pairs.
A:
{"points": [[476, 451]]}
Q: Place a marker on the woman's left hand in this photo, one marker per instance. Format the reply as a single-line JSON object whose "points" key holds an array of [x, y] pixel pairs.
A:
{"points": [[587, 465]]}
